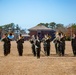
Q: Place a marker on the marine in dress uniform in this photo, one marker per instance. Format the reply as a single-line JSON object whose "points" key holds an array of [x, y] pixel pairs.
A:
{"points": [[44, 44], [20, 42], [48, 40], [61, 44], [62, 41], [10, 36], [56, 42], [6, 45], [73, 43], [38, 47], [32, 41]]}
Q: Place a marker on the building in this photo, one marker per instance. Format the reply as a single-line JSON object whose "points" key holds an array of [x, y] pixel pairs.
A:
{"points": [[41, 30], [26, 37]]}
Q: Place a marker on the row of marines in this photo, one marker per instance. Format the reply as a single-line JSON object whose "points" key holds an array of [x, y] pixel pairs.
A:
{"points": [[59, 44], [7, 43], [36, 44]]}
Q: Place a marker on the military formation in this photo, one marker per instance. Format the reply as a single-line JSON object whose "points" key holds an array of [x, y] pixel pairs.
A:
{"points": [[7, 38], [35, 41]]}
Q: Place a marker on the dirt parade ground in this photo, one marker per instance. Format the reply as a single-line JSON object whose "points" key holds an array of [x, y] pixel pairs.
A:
{"points": [[13, 64]]}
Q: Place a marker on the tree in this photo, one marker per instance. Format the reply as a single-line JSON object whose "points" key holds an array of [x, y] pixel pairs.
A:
{"points": [[59, 25], [52, 25], [17, 28], [74, 28], [42, 23], [46, 24], [61, 28]]}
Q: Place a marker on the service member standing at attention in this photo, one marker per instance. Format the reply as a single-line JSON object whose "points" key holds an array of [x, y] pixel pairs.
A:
{"points": [[20, 42], [6, 45]]}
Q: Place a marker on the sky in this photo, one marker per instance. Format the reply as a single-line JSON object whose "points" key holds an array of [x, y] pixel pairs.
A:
{"points": [[29, 13]]}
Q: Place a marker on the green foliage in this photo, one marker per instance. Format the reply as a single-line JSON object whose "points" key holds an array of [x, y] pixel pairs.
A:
{"points": [[0, 27], [10, 27], [45, 24], [52, 25], [59, 25], [74, 25]]}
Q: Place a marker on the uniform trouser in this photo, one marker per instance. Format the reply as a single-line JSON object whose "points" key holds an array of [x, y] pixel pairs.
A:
{"points": [[38, 52], [45, 49], [48, 51], [20, 51], [5, 50], [34, 51], [74, 50], [9, 48], [56, 48], [61, 50]]}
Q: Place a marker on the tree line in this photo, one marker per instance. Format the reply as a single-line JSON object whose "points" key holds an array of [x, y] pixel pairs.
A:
{"points": [[15, 28]]}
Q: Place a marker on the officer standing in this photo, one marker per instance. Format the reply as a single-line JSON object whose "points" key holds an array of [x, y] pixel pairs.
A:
{"points": [[20, 42]]}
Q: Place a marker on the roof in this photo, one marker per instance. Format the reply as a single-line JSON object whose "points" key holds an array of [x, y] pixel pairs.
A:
{"points": [[39, 27], [62, 29], [25, 35]]}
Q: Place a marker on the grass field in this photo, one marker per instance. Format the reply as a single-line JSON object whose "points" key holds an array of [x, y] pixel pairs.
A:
{"points": [[30, 65]]}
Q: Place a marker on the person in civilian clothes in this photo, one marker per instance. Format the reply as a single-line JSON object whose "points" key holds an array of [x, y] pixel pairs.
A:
{"points": [[20, 42], [32, 41], [38, 46], [6, 45], [73, 43]]}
